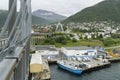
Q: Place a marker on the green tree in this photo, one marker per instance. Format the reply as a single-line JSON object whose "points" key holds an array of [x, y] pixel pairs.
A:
{"points": [[74, 40], [64, 42], [60, 39]]}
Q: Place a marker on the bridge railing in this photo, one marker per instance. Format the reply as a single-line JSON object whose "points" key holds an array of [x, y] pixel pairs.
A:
{"points": [[20, 28], [3, 42], [14, 53]]}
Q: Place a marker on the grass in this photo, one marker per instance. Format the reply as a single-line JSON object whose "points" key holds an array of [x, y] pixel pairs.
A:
{"points": [[113, 42], [79, 43], [85, 43]]}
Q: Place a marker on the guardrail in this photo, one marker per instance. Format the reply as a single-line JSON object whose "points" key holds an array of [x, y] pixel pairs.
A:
{"points": [[3, 42], [14, 53]]}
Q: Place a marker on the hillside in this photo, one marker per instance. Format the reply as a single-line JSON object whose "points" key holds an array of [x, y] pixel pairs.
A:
{"points": [[39, 20], [3, 16], [108, 10], [35, 19], [48, 15]]}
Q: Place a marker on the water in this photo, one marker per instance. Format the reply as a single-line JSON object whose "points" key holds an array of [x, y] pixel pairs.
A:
{"points": [[111, 73]]}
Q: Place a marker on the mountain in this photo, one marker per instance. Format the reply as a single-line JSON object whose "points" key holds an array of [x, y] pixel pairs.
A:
{"points": [[35, 19], [48, 15], [3, 16], [39, 20], [108, 10]]}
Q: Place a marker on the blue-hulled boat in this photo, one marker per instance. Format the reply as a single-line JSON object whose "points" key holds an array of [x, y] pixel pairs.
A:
{"points": [[71, 67]]}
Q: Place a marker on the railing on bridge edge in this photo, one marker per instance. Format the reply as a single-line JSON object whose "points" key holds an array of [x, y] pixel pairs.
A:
{"points": [[14, 54]]}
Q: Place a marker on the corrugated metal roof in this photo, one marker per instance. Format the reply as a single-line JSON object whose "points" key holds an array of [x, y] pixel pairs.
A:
{"points": [[78, 48]]}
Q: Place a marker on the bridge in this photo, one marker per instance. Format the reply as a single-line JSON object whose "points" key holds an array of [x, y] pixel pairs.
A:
{"points": [[14, 50]]}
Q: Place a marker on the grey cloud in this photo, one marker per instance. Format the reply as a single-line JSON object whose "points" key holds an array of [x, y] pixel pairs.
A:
{"points": [[64, 7]]}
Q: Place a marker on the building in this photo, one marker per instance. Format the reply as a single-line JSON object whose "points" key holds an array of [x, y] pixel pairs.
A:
{"points": [[48, 52], [36, 66], [39, 69], [59, 28], [81, 52], [36, 60]]}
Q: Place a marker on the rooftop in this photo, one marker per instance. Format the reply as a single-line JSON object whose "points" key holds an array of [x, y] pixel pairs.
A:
{"points": [[78, 48], [36, 59]]}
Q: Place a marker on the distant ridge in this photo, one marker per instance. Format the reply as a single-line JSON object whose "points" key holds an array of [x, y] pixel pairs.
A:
{"points": [[3, 16], [38, 17], [108, 10], [39, 20], [49, 15], [35, 19]]}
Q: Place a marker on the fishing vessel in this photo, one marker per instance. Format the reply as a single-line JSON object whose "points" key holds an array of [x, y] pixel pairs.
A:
{"points": [[70, 66]]}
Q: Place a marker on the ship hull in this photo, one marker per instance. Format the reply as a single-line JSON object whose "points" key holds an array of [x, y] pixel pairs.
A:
{"points": [[69, 69]]}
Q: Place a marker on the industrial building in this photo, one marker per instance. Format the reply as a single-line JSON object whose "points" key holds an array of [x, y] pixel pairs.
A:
{"points": [[39, 69], [81, 52], [48, 52]]}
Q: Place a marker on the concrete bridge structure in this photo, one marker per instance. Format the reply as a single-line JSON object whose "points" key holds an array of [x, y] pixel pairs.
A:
{"points": [[14, 50]]}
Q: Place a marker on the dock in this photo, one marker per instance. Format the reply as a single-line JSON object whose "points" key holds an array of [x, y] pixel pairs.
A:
{"points": [[45, 75], [112, 60], [53, 60], [92, 65], [95, 65]]}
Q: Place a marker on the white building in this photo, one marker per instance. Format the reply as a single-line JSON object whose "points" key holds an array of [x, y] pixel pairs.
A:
{"points": [[48, 51], [80, 51]]}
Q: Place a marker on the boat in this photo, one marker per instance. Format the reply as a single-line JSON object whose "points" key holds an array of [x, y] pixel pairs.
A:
{"points": [[70, 66]]}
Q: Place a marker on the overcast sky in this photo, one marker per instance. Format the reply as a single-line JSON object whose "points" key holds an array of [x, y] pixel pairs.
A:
{"points": [[64, 7]]}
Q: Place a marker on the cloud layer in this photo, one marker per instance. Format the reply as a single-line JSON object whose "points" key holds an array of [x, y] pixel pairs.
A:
{"points": [[64, 7]]}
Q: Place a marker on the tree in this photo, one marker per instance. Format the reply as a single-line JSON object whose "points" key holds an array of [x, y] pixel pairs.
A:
{"points": [[101, 36], [64, 42], [64, 28], [74, 40], [60, 39], [71, 35]]}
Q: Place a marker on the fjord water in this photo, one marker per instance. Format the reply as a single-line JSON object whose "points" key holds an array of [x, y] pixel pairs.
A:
{"points": [[110, 73]]}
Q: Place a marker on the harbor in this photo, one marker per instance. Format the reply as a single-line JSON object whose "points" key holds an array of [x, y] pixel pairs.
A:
{"points": [[110, 73], [46, 71], [78, 60], [114, 60]]}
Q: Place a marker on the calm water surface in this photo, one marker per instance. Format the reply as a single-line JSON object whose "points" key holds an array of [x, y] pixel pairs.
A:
{"points": [[111, 73]]}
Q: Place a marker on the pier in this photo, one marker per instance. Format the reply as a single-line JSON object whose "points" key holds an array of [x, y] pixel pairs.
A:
{"points": [[114, 60], [96, 64], [45, 75]]}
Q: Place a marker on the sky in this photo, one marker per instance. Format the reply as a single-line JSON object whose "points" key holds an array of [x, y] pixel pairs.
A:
{"points": [[63, 7]]}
